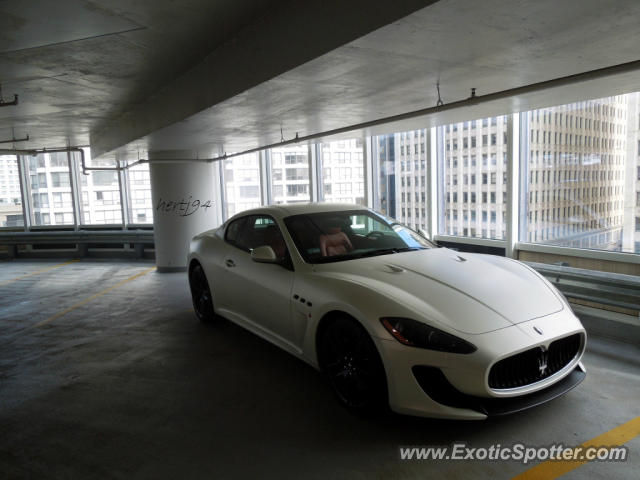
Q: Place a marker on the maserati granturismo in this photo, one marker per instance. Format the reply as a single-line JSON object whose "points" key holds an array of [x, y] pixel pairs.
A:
{"points": [[393, 320]]}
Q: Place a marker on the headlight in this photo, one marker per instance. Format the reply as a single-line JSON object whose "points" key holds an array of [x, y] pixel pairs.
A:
{"points": [[417, 334], [564, 297]]}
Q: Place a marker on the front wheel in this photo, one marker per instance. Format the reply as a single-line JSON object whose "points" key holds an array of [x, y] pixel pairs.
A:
{"points": [[201, 294], [353, 365]]}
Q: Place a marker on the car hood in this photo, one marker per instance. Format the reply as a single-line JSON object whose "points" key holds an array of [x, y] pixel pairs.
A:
{"points": [[471, 293]]}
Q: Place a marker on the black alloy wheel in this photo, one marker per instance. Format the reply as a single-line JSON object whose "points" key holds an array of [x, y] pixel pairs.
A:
{"points": [[353, 365], [201, 294]]}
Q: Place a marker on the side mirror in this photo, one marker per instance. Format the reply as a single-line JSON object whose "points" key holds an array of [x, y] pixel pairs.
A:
{"points": [[264, 254]]}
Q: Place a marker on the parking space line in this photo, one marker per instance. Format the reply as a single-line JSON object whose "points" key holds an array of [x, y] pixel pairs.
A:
{"points": [[613, 438], [93, 297], [37, 272]]}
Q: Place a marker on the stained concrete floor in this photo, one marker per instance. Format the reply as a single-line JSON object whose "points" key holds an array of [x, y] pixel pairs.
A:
{"points": [[128, 384]]}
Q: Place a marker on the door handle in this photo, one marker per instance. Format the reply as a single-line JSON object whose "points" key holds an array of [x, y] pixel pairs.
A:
{"points": [[229, 263]]}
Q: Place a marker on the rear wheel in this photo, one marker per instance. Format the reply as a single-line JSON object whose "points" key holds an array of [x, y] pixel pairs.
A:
{"points": [[351, 361], [201, 294]]}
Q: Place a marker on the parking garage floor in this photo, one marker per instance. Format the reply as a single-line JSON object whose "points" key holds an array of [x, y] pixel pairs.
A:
{"points": [[106, 373]]}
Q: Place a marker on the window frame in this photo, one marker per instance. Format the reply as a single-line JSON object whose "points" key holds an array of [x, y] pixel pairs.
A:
{"points": [[287, 263]]}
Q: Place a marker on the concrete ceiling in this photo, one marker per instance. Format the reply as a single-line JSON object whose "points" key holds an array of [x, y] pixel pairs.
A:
{"points": [[79, 65], [224, 76]]}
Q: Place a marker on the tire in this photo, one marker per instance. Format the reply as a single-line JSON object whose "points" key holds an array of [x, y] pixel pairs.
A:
{"points": [[201, 294], [353, 366]]}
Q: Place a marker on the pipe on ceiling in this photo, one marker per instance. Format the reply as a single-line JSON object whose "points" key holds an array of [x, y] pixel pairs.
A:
{"points": [[467, 102], [85, 169], [34, 152], [15, 151], [14, 140], [470, 101]]}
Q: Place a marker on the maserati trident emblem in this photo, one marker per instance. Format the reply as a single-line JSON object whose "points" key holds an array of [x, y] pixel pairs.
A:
{"points": [[538, 330], [542, 361]]}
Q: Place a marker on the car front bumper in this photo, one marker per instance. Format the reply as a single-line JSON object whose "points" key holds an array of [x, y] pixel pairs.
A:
{"points": [[446, 385]]}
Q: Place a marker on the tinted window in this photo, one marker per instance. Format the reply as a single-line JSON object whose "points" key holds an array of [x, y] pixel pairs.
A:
{"points": [[344, 235], [234, 231], [261, 231]]}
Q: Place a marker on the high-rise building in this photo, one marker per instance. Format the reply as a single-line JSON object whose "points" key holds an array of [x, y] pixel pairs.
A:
{"points": [[290, 174], [576, 162], [411, 189], [576, 173], [241, 177], [139, 190], [49, 189], [100, 198], [10, 195], [342, 171], [100, 193], [339, 166], [9, 181], [474, 178]]}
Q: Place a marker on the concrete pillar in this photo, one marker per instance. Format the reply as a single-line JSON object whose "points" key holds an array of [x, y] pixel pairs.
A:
{"points": [[184, 204]]}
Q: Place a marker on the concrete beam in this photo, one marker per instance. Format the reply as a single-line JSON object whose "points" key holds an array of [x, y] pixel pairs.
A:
{"points": [[291, 35]]}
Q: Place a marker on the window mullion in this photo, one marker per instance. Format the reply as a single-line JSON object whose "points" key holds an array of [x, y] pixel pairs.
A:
{"points": [[265, 177], [23, 170], [314, 154], [433, 206], [513, 184], [124, 203], [222, 188], [75, 182]]}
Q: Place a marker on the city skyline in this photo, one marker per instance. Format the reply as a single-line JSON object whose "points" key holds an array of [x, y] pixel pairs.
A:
{"points": [[579, 169], [576, 161]]}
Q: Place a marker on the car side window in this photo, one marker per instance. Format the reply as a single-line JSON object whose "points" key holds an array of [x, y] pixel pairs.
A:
{"points": [[233, 234], [262, 230]]}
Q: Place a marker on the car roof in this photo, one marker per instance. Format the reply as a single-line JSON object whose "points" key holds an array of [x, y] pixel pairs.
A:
{"points": [[286, 210]]}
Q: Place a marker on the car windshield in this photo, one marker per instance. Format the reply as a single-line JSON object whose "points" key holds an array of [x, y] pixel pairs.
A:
{"points": [[345, 235]]}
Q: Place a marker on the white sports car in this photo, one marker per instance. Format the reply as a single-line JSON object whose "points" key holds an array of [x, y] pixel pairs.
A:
{"points": [[392, 319]]}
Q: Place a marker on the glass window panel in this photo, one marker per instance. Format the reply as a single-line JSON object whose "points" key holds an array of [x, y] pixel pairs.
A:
{"points": [[400, 163], [140, 203], [242, 183], [50, 189], [384, 162], [10, 195], [579, 179], [343, 171], [463, 183], [99, 192], [289, 182]]}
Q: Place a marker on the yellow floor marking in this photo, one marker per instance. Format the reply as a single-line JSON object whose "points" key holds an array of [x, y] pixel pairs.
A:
{"points": [[38, 272], [93, 297], [610, 439]]}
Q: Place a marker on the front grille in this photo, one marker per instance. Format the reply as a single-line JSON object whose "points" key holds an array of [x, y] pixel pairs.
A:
{"points": [[534, 365]]}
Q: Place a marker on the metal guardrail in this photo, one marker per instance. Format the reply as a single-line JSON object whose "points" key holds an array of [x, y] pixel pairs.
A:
{"points": [[613, 289], [76, 237], [605, 288], [82, 238]]}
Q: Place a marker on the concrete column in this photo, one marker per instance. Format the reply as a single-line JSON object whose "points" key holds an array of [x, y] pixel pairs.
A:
{"points": [[184, 195]]}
